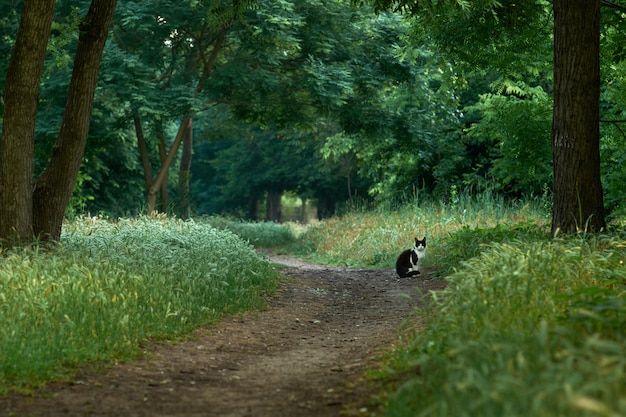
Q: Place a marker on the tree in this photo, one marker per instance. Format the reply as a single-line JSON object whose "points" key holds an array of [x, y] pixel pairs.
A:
{"points": [[164, 53], [503, 27], [36, 210], [18, 127], [578, 199]]}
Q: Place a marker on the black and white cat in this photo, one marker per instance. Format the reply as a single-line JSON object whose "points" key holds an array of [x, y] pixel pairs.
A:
{"points": [[409, 260]]}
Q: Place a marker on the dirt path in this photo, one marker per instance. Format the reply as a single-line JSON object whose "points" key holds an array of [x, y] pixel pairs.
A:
{"points": [[305, 356]]}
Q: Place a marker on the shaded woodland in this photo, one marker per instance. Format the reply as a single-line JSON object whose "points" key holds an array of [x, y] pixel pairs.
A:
{"points": [[224, 107]]}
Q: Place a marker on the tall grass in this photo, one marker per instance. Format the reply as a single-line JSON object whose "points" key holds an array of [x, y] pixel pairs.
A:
{"points": [[376, 237], [523, 329], [259, 234], [110, 285]]}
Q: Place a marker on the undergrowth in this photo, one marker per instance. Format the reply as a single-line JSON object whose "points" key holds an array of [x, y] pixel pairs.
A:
{"points": [[523, 329], [109, 285]]}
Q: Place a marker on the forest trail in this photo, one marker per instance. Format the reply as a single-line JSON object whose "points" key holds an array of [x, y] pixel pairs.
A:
{"points": [[305, 356]]}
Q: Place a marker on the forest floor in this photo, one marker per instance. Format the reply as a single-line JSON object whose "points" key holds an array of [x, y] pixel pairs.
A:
{"points": [[307, 355]]}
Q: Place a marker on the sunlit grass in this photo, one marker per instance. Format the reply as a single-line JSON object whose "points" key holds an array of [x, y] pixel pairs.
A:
{"points": [[376, 237], [110, 285]]}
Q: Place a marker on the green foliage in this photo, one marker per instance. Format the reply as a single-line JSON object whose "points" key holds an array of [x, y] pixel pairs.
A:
{"points": [[613, 152], [229, 173], [516, 129], [453, 93], [469, 242], [527, 328], [110, 285], [485, 33], [613, 112]]}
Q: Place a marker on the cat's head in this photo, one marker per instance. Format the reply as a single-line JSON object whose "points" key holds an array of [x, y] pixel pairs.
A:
{"points": [[420, 245]]}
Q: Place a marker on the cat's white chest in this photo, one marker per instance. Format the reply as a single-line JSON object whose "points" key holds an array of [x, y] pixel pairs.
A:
{"points": [[421, 254]]}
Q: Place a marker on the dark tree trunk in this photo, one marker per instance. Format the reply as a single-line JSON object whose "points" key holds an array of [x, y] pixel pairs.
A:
{"points": [[253, 206], [162, 158], [274, 206], [54, 186], [578, 199], [325, 206], [145, 161], [161, 178], [184, 209], [303, 214], [18, 126]]}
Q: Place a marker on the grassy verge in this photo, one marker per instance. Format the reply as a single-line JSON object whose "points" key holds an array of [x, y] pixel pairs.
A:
{"points": [[110, 285], [523, 329]]}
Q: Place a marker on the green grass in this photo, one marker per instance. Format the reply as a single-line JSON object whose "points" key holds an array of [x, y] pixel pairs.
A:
{"points": [[110, 285], [259, 234], [523, 329], [376, 237]]}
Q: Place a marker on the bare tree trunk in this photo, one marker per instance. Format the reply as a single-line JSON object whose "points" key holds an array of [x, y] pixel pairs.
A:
{"points": [[145, 162], [274, 206], [303, 214], [578, 198], [54, 186], [253, 206], [169, 159], [184, 174], [17, 151], [162, 158]]}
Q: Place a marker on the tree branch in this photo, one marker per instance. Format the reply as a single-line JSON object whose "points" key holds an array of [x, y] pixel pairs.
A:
{"points": [[612, 5]]}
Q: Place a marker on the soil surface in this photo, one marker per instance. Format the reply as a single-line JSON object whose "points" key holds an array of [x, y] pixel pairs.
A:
{"points": [[305, 356]]}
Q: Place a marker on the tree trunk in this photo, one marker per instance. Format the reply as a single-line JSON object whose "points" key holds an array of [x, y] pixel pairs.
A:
{"points": [[55, 184], [325, 206], [303, 214], [18, 126], [162, 158], [165, 165], [253, 206], [184, 174], [578, 199], [274, 207], [145, 161]]}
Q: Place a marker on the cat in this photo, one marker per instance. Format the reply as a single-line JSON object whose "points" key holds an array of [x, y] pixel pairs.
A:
{"points": [[409, 260]]}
